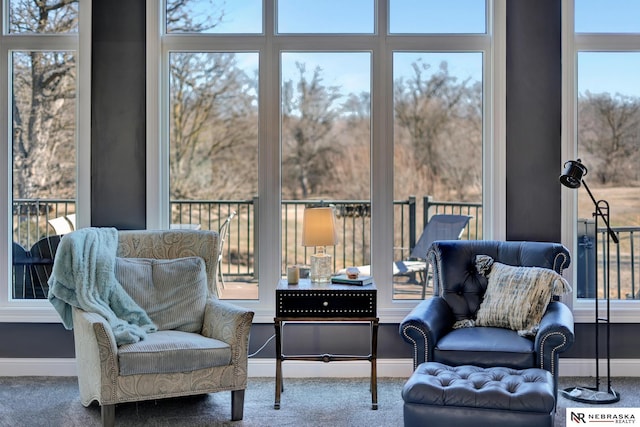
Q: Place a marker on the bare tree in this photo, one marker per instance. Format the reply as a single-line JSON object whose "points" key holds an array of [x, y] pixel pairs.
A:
{"points": [[213, 113], [460, 149], [308, 117], [351, 162], [43, 103], [610, 135], [182, 16], [43, 16], [213, 125], [427, 110]]}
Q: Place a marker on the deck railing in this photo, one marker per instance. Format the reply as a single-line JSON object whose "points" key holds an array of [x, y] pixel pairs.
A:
{"points": [[474, 210], [31, 223], [31, 218], [353, 219]]}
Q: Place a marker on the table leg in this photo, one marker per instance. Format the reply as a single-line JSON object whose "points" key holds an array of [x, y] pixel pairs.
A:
{"points": [[374, 371], [278, 326]]}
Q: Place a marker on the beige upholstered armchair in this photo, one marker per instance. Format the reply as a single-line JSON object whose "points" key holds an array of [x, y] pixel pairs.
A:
{"points": [[201, 343]]}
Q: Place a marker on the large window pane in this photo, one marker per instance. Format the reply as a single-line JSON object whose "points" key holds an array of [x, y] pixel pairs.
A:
{"points": [[609, 145], [327, 16], [437, 150], [43, 97], [43, 17], [437, 16], [326, 150], [213, 118], [607, 16], [214, 16]]}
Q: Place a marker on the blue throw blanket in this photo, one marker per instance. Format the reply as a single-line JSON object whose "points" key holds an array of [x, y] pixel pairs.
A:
{"points": [[83, 276]]}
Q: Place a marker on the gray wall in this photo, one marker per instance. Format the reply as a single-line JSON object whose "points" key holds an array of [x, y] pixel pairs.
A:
{"points": [[118, 115], [118, 167], [534, 103]]}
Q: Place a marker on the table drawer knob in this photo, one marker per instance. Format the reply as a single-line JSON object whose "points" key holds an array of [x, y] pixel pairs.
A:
{"points": [[325, 304]]}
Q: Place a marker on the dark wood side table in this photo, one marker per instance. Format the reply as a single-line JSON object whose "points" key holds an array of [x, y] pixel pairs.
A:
{"points": [[315, 302]]}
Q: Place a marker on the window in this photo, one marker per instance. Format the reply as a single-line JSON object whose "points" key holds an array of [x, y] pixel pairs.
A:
{"points": [[213, 128], [607, 140], [437, 150], [325, 150], [40, 62], [437, 17], [295, 105], [606, 16], [213, 17], [326, 17]]}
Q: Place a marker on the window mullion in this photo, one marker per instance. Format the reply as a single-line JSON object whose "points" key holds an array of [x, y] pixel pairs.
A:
{"points": [[269, 210]]}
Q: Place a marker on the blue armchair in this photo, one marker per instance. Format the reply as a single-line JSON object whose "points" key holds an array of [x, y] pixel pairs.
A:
{"points": [[458, 292]]}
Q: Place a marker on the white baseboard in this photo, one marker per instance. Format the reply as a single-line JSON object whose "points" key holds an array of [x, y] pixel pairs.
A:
{"points": [[404, 367], [257, 368], [587, 368], [301, 369], [401, 368], [38, 367]]}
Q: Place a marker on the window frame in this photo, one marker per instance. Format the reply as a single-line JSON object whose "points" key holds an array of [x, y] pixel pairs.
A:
{"points": [[572, 43], [381, 45], [41, 311]]}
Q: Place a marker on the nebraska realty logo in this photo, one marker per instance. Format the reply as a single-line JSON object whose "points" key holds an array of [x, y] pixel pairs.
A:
{"points": [[602, 416]]}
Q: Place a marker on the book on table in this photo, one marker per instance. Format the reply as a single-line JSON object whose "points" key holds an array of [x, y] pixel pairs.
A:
{"points": [[342, 279]]}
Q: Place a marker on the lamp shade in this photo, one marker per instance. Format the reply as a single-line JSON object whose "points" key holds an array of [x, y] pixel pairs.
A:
{"points": [[319, 227], [573, 172]]}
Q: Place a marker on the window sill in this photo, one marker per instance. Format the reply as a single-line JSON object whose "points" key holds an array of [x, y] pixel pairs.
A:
{"points": [[621, 311], [35, 312]]}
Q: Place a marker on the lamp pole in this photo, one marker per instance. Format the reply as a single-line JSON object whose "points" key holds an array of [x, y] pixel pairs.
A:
{"points": [[572, 178]]}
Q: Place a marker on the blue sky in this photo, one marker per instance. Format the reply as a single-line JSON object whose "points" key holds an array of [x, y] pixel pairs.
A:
{"points": [[607, 16], [598, 71], [357, 16]]}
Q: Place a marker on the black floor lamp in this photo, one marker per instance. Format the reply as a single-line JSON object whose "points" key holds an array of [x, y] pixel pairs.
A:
{"points": [[571, 177]]}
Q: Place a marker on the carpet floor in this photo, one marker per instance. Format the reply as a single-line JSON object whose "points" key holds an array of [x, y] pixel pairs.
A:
{"points": [[331, 402]]}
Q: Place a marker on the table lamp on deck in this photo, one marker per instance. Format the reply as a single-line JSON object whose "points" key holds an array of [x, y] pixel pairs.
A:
{"points": [[319, 230]]}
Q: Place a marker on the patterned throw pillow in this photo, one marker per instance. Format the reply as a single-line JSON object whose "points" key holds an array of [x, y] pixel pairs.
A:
{"points": [[516, 297]]}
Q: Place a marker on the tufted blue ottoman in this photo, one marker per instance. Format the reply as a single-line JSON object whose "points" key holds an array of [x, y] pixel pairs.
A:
{"points": [[438, 395]]}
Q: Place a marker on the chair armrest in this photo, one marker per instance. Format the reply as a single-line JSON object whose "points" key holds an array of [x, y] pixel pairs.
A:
{"points": [[229, 323], [96, 357], [555, 335], [424, 326]]}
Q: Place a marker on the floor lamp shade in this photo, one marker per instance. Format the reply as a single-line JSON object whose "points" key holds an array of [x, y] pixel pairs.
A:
{"points": [[573, 172], [319, 230]]}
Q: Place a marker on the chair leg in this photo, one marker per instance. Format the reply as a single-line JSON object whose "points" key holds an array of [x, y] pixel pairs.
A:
{"points": [[237, 405], [108, 415]]}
